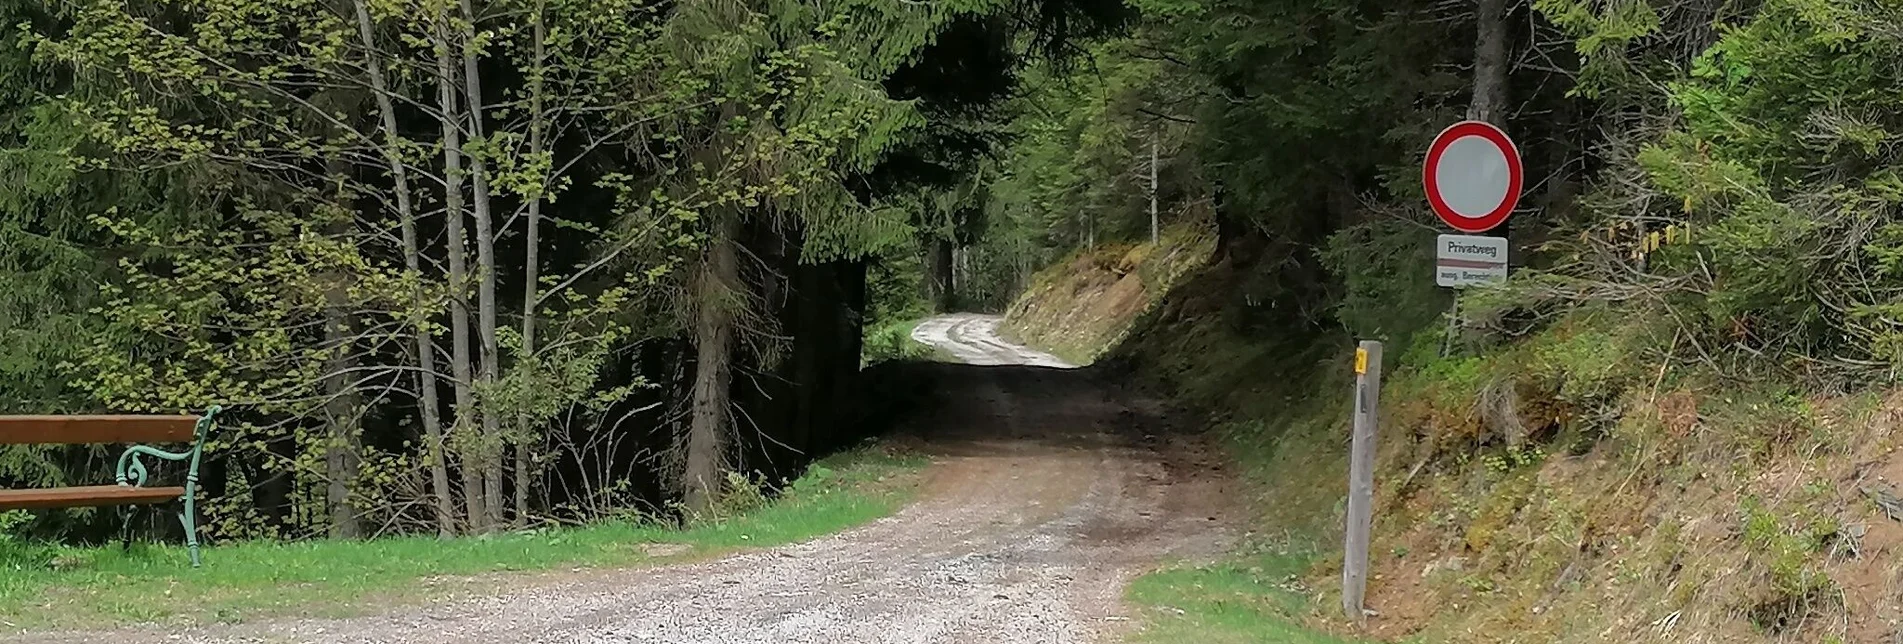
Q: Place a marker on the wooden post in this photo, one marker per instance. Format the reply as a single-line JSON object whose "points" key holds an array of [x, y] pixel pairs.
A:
{"points": [[1354, 567]]}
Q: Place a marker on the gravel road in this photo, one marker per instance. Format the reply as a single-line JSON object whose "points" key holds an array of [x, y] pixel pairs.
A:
{"points": [[973, 339], [1049, 491]]}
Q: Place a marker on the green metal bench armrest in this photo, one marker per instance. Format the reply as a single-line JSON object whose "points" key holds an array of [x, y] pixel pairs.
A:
{"points": [[132, 473]]}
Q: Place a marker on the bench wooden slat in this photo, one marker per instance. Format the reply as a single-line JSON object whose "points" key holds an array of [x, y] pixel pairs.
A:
{"points": [[86, 496], [76, 430]]}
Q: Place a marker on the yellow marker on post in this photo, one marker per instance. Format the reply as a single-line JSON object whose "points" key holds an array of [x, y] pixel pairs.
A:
{"points": [[1360, 518]]}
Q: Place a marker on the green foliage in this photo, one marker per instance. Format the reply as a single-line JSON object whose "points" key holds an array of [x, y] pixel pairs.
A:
{"points": [[1587, 359], [1451, 382], [49, 253], [1790, 555], [1314, 95], [895, 289], [1077, 172], [1509, 459], [1780, 157], [895, 304], [1708, 239], [1603, 33], [206, 207], [1387, 293], [16, 552], [739, 496], [1281, 119], [893, 341]]}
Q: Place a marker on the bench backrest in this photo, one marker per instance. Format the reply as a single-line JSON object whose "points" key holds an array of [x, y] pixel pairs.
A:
{"points": [[76, 430]]}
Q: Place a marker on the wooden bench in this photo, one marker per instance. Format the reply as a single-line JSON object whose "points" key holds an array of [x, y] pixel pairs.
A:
{"points": [[130, 488]]}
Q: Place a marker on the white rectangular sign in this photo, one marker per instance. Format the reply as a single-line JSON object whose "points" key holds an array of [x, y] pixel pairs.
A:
{"points": [[1469, 260]]}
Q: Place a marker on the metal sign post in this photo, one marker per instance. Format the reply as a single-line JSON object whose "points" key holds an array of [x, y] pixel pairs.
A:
{"points": [[1354, 567]]}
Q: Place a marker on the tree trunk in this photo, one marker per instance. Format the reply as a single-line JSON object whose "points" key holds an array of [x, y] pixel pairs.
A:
{"points": [[271, 482], [341, 458], [717, 292], [1490, 63], [486, 264], [427, 404], [942, 291], [1153, 224], [214, 481], [851, 330], [473, 497], [531, 270], [1490, 74]]}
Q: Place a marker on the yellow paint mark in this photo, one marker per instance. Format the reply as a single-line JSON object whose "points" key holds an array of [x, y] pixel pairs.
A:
{"points": [[1361, 361]]}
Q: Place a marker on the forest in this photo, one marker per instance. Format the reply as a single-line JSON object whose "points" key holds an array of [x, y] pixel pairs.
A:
{"points": [[457, 266]]}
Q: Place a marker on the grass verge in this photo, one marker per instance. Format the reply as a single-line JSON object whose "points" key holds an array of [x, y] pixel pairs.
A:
{"points": [[1255, 598], [893, 341], [98, 587]]}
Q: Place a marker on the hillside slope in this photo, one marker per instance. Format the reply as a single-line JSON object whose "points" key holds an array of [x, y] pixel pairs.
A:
{"points": [[1565, 487], [1086, 303]]}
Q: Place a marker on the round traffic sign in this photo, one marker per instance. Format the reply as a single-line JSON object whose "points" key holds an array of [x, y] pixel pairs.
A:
{"points": [[1473, 176]]}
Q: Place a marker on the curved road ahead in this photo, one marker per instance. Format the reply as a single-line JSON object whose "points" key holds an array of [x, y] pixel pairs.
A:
{"points": [[973, 339]]}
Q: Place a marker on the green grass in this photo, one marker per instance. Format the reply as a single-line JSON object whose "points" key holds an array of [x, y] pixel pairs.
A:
{"points": [[103, 586], [1250, 599], [893, 341]]}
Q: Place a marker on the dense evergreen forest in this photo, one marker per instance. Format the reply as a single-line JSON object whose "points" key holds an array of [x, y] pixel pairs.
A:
{"points": [[461, 265], [1723, 171]]}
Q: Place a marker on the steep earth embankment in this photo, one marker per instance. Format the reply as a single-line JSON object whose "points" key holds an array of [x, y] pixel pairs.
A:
{"points": [[1568, 486], [1087, 303]]}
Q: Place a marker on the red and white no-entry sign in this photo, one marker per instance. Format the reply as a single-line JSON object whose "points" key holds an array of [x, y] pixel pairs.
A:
{"points": [[1473, 176]]}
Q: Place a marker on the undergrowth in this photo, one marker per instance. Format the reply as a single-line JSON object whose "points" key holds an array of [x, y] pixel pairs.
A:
{"points": [[74, 587], [893, 341]]}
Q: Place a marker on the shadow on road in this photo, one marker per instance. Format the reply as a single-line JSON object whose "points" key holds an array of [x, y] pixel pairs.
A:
{"points": [[970, 410]]}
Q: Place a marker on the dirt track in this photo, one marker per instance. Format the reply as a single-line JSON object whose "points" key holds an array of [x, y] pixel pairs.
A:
{"points": [[973, 339], [1049, 491]]}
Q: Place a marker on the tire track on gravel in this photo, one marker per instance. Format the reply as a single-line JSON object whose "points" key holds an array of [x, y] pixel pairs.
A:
{"points": [[973, 339]]}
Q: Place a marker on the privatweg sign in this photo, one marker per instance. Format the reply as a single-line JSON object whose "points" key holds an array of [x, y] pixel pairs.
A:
{"points": [[1469, 260], [1473, 176]]}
